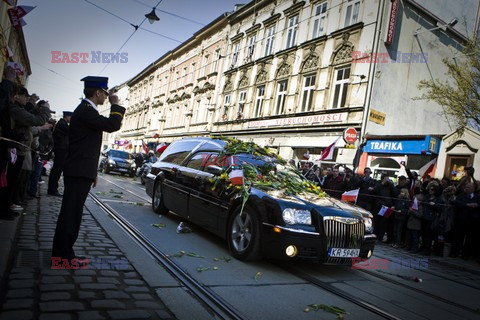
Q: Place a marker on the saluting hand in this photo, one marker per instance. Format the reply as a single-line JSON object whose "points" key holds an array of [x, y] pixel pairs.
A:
{"points": [[113, 98]]}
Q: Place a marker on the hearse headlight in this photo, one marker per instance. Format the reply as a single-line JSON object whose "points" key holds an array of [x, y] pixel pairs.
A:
{"points": [[112, 162], [296, 216], [368, 225]]}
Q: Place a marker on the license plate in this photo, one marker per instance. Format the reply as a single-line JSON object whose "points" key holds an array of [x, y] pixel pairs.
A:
{"points": [[343, 253], [122, 169]]}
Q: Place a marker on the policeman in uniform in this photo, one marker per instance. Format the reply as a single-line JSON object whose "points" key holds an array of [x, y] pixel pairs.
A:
{"points": [[80, 171], [60, 148]]}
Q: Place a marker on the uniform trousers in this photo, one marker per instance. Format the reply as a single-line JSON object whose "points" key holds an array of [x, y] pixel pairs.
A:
{"points": [[56, 172], [70, 217]]}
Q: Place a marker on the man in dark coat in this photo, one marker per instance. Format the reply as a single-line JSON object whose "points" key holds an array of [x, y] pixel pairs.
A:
{"points": [[366, 185], [385, 196], [80, 171], [467, 223], [60, 148]]}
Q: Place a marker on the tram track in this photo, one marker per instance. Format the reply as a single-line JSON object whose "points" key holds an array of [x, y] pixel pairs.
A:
{"points": [[214, 303]]}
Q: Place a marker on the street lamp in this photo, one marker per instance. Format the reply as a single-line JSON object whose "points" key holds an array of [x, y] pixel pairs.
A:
{"points": [[152, 16], [444, 27]]}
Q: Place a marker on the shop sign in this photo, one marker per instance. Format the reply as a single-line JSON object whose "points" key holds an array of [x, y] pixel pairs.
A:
{"points": [[306, 120], [425, 146], [377, 117], [392, 21]]}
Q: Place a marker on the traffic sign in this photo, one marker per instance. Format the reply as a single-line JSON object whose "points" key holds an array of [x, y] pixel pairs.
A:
{"points": [[350, 135]]}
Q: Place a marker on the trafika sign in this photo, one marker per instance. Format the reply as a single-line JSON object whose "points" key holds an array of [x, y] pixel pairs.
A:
{"points": [[350, 135]]}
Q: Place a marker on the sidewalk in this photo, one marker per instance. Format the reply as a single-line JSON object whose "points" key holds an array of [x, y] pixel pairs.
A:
{"points": [[30, 289]]}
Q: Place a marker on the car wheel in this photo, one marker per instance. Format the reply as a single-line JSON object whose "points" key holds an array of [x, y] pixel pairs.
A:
{"points": [[244, 234], [106, 170], [157, 199]]}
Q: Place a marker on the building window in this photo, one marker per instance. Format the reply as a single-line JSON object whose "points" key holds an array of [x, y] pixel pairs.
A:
{"points": [[320, 11], [308, 90], [168, 122], [342, 77], [184, 76], [292, 31], [259, 101], [215, 61], [269, 41], [241, 103], [251, 48], [203, 71], [351, 17], [177, 76], [226, 105], [281, 95], [235, 52], [192, 73]]}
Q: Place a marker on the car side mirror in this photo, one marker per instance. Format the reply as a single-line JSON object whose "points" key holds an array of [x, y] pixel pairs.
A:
{"points": [[215, 170]]}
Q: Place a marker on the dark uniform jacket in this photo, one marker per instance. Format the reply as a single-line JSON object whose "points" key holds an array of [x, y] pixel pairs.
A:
{"points": [[85, 138], [60, 136]]}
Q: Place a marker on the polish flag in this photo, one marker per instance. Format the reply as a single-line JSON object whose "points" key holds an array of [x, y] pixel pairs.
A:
{"points": [[145, 147], [385, 211], [415, 204], [327, 154], [426, 169], [161, 147], [236, 177], [17, 13], [350, 196]]}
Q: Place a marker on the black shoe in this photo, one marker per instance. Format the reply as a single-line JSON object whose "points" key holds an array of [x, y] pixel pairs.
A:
{"points": [[33, 196], [55, 193]]}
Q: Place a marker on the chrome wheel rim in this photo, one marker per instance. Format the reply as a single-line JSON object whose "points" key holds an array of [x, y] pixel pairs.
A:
{"points": [[157, 196], [241, 231]]}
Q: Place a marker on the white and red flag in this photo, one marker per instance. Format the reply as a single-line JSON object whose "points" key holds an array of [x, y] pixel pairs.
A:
{"points": [[144, 147], [385, 211], [236, 177], [426, 169], [161, 147], [327, 153], [350, 196], [17, 13]]}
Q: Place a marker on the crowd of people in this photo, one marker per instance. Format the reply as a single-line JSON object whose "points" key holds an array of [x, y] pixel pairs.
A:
{"points": [[26, 142], [428, 215]]}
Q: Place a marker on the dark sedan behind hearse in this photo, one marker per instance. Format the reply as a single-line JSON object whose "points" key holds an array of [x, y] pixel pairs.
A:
{"points": [[272, 224]]}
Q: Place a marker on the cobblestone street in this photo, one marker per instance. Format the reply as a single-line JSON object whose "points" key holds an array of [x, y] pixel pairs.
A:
{"points": [[101, 291]]}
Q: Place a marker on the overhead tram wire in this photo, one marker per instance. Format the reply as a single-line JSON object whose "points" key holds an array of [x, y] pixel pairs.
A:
{"points": [[136, 27]]}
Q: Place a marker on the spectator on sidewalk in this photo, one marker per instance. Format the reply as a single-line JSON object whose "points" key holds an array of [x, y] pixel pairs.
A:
{"points": [[467, 216], [335, 186], [60, 150], [432, 210], [384, 196], [402, 204], [366, 185], [414, 223], [80, 171]]}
